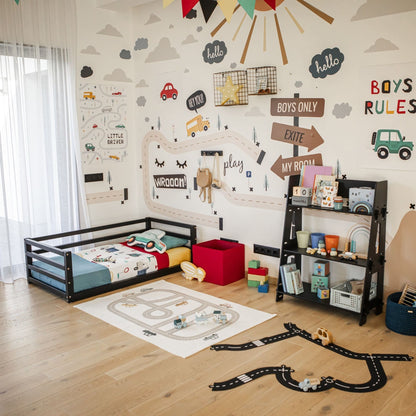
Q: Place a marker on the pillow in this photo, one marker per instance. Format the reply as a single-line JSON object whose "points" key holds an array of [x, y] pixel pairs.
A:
{"points": [[150, 240], [172, 242]]}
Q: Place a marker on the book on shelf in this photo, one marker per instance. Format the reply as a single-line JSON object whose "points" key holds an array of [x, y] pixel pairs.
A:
{"points": [[308, 173], [322, 181], [284, 274], [297, 282]]}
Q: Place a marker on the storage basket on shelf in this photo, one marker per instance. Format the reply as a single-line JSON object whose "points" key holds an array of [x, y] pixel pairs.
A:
{"points": [[342, 298], [400, 318]]}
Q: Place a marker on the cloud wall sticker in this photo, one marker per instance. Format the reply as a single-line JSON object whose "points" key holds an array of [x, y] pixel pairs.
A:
{"points": [[326, 63], [163, 52]]}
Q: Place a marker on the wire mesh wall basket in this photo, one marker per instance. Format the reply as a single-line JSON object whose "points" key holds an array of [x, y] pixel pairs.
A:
{"points": [[230, 88], [262, 80]]}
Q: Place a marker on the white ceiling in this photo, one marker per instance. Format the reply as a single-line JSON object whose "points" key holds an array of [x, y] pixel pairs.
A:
{"points": [[121, 5]]}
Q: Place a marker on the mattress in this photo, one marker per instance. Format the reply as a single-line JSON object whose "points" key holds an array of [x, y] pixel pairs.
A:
{"points": [[111, 263]]}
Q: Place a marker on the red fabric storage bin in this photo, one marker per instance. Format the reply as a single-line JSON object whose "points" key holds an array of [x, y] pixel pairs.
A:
{"points": [[223, 261]]}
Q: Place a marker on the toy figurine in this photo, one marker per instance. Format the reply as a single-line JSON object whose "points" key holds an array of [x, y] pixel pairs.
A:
{"points": [[219, 316], [311, 250], [324, 335], [309, 383], [190, 271], [180, 322], [348, 255]]}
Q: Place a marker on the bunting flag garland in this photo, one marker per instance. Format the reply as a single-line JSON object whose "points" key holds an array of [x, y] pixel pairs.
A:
{"points": [[17, 1], [208, 7], [166, 3], [227, 7], [187, 6], [271, 3], [248, 6]]}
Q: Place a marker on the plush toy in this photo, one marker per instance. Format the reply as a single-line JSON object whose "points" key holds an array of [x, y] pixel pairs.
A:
{"points": [[150, 240]]}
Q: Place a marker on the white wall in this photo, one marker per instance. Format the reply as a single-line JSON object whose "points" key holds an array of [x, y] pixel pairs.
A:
{"points": [[101, 53], [356, 28]]}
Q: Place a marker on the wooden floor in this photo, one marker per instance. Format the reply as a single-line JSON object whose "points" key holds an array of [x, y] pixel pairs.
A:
{"points": [[57, 360]]}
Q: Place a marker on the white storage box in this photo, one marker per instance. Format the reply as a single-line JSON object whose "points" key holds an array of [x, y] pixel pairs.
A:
{"points": [[340, 297]]}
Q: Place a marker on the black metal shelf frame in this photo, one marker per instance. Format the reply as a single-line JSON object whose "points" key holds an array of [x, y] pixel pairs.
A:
{"points": [[374, 264]]}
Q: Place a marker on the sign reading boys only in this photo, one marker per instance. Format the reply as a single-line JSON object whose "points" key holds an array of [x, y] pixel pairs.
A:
{"points": [[297, 107]]}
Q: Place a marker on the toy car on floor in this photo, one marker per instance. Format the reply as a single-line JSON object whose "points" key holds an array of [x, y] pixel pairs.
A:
{"points": [[180, 322], [324, 335], [220, 317], [309, 383]]}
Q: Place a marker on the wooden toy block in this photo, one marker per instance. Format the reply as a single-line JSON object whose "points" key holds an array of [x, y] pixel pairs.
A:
{"points": [[301, 191], [323, 293], [263, 288], [253, 283], [257, 278], [254, 264], [321, 268], [260, 271], [317, 281]]}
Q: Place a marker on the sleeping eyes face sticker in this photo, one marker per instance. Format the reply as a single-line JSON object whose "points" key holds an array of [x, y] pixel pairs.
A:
{"points": [[181, 165], [159, 164]]}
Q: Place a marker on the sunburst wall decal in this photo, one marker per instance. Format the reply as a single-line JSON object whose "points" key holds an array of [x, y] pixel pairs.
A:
{"points": [[254, 9]]}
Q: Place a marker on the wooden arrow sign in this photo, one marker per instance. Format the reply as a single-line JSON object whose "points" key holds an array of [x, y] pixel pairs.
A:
{"points": [[309, 138], [293, 165], [297, 107]]}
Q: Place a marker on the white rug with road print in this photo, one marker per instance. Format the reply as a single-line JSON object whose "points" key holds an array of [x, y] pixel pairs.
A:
{"points": [[175, 318]]}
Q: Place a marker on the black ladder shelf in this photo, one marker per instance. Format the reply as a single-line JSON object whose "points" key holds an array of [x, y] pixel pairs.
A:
{"points": [[374, 264]]}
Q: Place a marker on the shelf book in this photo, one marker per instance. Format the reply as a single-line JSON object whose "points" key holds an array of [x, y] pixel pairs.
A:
{"points": [[296, 281], [308, 173], [284, 275], [291, 279], [319, 185]]}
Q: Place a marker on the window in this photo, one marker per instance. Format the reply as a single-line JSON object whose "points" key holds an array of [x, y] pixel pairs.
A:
{"points": [[394, 137], [384, 136], [39, 169]]}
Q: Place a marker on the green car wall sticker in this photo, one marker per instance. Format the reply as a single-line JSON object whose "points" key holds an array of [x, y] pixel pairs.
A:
{"points": [[89, 146], [391, 141]]}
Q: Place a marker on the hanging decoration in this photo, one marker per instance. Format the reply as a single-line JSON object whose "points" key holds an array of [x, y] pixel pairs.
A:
{"points": [[228, 7], [187, 6], [208, 7], [252, 8], [229, 91], [230, 88], [248, 6], [17, 1]]}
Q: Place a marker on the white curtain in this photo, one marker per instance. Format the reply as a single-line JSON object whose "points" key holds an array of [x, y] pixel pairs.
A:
{"points": [[41, 186]]}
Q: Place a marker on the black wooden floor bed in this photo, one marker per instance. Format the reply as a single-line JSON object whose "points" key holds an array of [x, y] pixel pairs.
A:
{"points": [[38, 253]]}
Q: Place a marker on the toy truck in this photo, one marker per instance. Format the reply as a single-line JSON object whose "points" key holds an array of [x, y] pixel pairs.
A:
{"points": [[219, 316], [324, 335], [309, 383], [391, 141], [180, 322]]}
